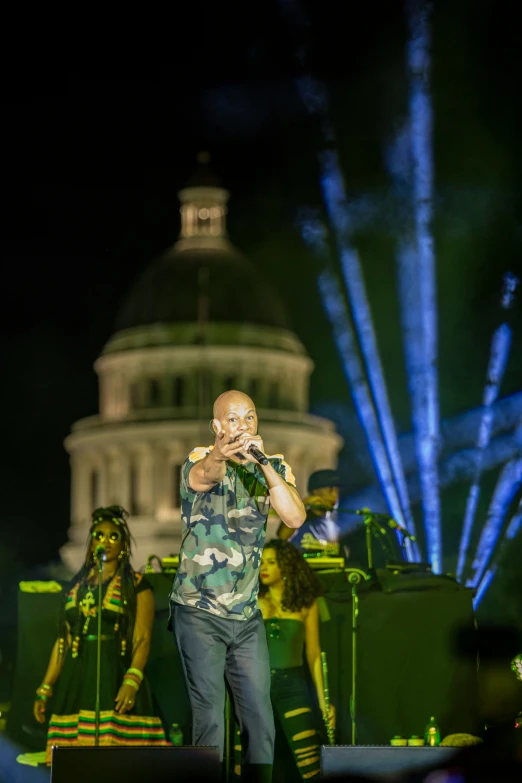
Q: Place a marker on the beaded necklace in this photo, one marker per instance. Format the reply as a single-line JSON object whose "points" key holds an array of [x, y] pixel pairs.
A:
{"points": [[88, 606]]}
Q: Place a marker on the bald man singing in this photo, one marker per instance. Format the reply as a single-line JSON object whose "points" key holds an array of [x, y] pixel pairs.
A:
{"points": [[226, 494]]}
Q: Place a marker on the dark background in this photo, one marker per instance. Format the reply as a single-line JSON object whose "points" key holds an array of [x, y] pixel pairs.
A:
{"points": [[99, 137]]}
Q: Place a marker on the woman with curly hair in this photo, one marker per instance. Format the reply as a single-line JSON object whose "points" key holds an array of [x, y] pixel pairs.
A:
{"points": [[288, 601], [126, 713]]}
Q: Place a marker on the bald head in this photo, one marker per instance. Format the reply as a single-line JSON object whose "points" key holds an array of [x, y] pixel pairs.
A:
{"points": [[231, 398], [234, 414]]}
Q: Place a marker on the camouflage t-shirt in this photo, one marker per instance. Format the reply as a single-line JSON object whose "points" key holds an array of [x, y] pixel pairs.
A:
{"points": [[223, 532]]}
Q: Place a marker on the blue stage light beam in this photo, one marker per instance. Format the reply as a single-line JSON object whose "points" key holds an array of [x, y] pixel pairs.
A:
{"points": [[508, 485], [315, 98], [333, 188], [416, 275], [426, 445], [360, 308], [315, 235], [500, 347], [499, 353], [483, 586], [334, 196], [346, 345], [512, 531]]}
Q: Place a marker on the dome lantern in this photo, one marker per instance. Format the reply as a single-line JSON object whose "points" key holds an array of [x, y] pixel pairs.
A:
{"points": [[203, 207]]}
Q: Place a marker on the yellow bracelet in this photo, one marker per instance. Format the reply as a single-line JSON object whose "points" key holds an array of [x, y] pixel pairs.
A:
{"points": [[136, 672], [131, 682]]}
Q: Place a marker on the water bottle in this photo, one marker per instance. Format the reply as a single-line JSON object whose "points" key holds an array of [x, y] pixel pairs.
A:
{"points": [[176, 735], [432, 734]]}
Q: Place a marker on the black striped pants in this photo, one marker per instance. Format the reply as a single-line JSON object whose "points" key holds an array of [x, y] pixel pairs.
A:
{"points": [[296, 717]]}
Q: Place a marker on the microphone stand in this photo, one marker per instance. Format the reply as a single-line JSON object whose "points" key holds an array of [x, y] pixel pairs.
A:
{"points": [[368, 521], [372, 525], [99, 559], [354, 577]]}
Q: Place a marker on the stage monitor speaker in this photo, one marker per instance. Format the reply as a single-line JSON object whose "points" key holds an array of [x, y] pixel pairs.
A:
{"points": [[135, 765], [379, 761]]}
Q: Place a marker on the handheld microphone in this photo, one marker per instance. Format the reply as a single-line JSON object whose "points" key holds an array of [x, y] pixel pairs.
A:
{"points": [[100, 553], [257, 454], [395, 526]]}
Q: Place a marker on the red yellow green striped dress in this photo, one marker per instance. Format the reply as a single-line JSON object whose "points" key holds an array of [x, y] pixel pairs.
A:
{"points": [[72, 721]]}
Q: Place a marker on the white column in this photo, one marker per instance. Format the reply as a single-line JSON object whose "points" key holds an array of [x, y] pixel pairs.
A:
{"points": [[143, 467], [75, 463], [103, 467], [113, 476], [124, 477], [301, 389], [84, 510], [111, 394], [263, 384], [294, 383], [102, 393], [285, 387], [242, 375], [159, 480]]}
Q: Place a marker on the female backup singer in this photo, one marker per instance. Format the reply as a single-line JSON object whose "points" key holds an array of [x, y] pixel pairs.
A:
{"points": [[127, 716], [288, 601]]}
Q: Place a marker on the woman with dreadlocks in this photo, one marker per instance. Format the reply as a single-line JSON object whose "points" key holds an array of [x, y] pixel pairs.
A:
{"points": [[288, 594], [126, 712]]}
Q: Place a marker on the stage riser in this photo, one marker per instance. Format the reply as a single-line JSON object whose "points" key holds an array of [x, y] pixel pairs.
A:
{"points": [[379, 761], [135, 765]]}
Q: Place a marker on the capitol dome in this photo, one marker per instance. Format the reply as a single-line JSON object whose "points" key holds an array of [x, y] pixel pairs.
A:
{"points": [[203, 276], [181, 282]]}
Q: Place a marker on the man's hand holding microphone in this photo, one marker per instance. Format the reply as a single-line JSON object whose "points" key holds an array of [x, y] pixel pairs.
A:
{"points": [[245, 447]]}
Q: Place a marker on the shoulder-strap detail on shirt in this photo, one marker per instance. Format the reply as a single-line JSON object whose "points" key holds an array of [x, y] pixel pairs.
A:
{"points": [[199, 453], [284, 468]]}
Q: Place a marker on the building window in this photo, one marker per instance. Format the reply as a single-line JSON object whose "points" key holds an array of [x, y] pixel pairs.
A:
{"points": [[175, 479], [134, 394], [154, 392], [178, 391], [204, 386], [273, 395], [94, 489], [134, 489]]}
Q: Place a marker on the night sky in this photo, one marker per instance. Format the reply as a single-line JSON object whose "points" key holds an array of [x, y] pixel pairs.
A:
{"points": [[93, 158]]}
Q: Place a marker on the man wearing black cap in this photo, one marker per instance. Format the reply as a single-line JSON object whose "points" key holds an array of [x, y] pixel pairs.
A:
{"points": [[320, 525]]}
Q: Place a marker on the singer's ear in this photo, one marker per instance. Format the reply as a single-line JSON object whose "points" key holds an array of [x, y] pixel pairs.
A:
{"points": [[215, 426]]}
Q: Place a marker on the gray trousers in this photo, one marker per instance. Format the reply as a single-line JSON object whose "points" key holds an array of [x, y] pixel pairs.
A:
{"points": [[214, 649]]}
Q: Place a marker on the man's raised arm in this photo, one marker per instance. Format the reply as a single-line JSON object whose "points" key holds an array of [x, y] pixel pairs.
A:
{"points": [[285, 499]]}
